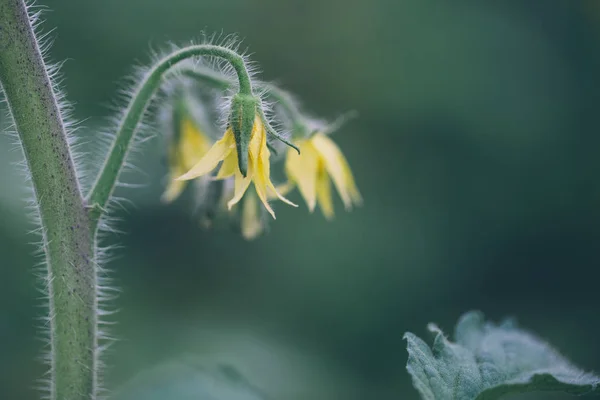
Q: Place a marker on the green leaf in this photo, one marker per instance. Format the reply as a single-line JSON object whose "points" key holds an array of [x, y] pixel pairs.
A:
{"points": [[189, 379], [488, 361]]}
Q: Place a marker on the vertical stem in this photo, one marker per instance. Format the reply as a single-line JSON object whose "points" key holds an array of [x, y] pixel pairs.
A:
{"points": [[67, 241]]}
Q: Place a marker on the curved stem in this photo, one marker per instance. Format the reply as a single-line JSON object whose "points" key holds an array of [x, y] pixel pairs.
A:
{"points": [[207, 75], [67, 243], [105, 183], [220, 81]]}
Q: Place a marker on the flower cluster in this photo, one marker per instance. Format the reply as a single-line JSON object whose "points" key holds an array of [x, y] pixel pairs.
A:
{"points": [[241, 159]]}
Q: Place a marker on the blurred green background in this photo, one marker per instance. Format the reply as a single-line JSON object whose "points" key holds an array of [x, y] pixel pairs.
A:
{"points": [[476, 151]]}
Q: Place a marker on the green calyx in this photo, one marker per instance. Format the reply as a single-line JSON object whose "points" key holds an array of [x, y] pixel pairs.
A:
{"points": [[241, 121]]}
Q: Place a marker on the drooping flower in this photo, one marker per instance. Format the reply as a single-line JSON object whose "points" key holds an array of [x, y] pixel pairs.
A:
{"points": [[187, 146], [320, 158], [257, 162]]}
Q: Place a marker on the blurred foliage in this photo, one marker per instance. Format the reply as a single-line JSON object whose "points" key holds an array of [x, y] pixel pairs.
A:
{"points": [[476, 151], [488, 361], [189, 380]]}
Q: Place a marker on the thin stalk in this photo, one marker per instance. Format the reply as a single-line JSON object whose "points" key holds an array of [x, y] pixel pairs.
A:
{"points": [[67, 242], [105, 184], [222, 82]]}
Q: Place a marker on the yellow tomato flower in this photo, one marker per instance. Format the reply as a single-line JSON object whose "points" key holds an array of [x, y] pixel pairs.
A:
{"points": [[319, 159], [258, 166], [187, 147]]}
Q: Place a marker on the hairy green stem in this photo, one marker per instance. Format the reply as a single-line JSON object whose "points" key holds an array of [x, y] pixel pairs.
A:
{"points": [[67, 242], [222, 82], [105, 184], [209, 76]]}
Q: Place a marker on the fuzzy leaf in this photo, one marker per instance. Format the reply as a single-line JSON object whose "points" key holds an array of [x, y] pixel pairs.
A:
{"points": [[189, 380], [488, 361]]}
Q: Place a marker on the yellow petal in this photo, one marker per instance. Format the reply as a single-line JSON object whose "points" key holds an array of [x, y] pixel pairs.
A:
{"points": [[258, 160], [265, 165], [185, 150], [258, 140], [211, 159], [229, 166], [302, 170], [251, 224], [338, 168], [193, 144], [354, 193], [260, 184], [273, 191], [324, 194], [174, 189], [241, 184], [349, 183]]}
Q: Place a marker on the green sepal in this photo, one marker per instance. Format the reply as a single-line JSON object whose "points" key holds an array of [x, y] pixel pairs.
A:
{"points": [[241, 122], [272, 131], [272, 149]]}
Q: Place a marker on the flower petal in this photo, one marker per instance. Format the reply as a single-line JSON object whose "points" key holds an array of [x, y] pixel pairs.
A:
{"points": [[193, 144], [354, 193], [250, 224], [241, 184], [258, 141], [338, 168], [229, 166], [302, 170], [324, 194], [211, 159], [174, 188], [260, 184], [273, 191], [263, 163], [173, 191]]}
